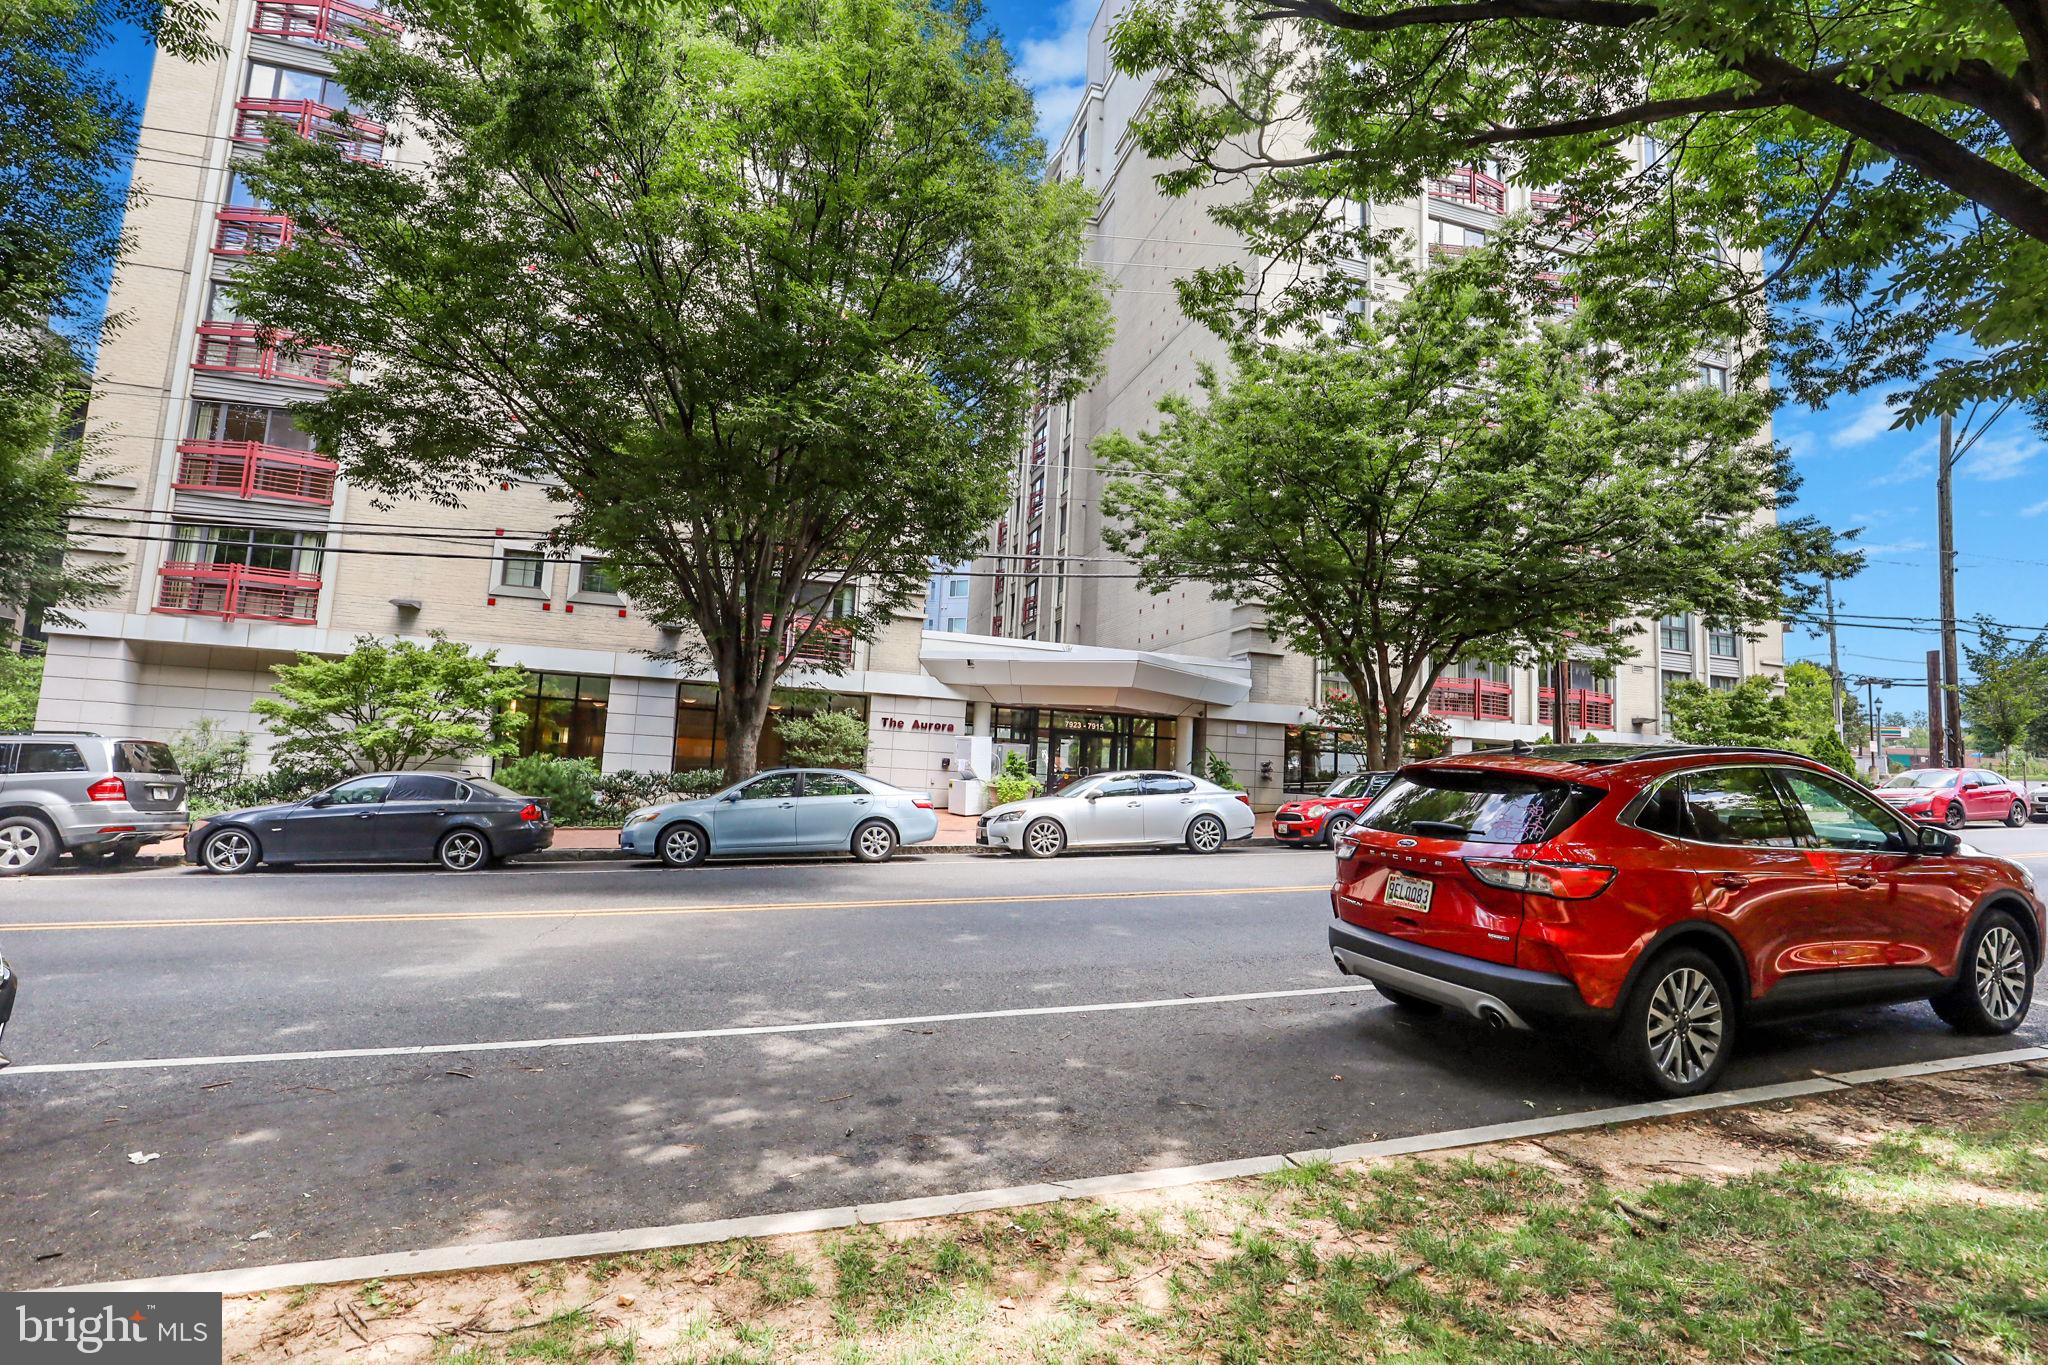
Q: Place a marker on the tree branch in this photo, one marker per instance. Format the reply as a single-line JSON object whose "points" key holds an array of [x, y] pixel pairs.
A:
{"points": [[1604, 13]]}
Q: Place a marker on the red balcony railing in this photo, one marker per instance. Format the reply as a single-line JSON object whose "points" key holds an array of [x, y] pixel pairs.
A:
{"points": [[246, 232], [1472, 698], [237, 348], [358, 138], [236, 592], [1448, 251], [250, 469], [1469, 185], [1594, 710], [332, 23], [828, 644]]}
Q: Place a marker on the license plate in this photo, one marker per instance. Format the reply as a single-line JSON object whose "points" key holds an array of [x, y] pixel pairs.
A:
{"points": [[1411, 893], [159, 793]]}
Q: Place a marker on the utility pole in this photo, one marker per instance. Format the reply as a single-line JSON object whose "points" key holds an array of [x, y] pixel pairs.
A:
{"points": [[1560, 727], [1950, 694], [1937, 715], [1834, 659], [1879, 766]]}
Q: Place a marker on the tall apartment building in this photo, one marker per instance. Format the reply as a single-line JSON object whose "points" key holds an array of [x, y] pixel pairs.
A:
{"points": [[242, 545], [1050, 578]]}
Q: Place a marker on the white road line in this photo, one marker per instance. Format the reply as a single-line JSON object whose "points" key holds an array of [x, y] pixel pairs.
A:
{"points": [[479, 1255], [675, 1036]]}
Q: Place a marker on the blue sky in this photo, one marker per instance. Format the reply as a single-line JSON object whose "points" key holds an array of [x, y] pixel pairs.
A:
{"points": [[1858, 472]]}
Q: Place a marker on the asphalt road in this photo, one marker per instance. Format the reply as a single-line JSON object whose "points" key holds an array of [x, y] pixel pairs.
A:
{"points": [[786, 1094]]}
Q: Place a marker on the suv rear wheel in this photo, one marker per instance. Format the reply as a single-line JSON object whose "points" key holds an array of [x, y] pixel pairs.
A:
{"points": [[26, 845], [1677, 1026], [1995, 987]]}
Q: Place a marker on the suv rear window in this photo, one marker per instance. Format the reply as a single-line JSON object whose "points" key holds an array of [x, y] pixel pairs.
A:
{"points": [[144, 756], [1479, 807]]}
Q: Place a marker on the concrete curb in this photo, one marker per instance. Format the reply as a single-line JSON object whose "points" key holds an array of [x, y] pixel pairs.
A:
{"points": [[484, 1255]]}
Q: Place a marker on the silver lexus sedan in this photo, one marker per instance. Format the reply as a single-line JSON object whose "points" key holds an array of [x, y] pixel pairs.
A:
{"points": [[1129, 809]]}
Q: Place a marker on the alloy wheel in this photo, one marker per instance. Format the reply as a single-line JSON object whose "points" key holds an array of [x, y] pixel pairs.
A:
{"points": [[229, 851], [680, 845], [1685, 1025], [1043, 838], [1336, 829], [2001, 970], [876, 842], [1206, 834], [1953, 816], [20, 846], [462, 851]]}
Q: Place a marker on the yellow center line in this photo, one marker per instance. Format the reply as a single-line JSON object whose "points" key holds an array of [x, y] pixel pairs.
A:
{"points": [[633, 911]]}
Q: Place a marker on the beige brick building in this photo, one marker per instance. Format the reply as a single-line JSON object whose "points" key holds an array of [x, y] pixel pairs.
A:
{"points": [[1051, 578]]}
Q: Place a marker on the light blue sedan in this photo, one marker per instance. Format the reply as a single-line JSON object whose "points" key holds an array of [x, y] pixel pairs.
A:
{"points": [[788, 810]]}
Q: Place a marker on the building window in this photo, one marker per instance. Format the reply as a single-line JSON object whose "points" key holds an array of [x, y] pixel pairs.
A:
{"points": [[1675, 632], [1722, 641], [269, 82], [1317, 757], [700, 724], [523, 571], [561, 714], [1081, 147], [594, 579], [255, 548], [1714, 377], [1670, 679], [1720, 684], [248, 422], [956, 587]]}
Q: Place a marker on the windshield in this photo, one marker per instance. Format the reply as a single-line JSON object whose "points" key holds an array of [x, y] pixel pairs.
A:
{"points": [[1080, 786], [1925, 777], [1351, 784], [1478, 807]]}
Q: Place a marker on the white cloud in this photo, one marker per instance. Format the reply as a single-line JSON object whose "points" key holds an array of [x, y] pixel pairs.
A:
{"points": [[1896, 547], [2001, 458], [2036, 510], [1866, 426], [1915, 466], [1054, 67]]}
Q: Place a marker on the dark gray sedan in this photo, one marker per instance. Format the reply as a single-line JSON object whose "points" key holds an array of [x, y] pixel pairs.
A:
{"points": [[461, 823]]}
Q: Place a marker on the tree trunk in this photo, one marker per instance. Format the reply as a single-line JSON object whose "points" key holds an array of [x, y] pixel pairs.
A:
{"points": [[744, 711]]}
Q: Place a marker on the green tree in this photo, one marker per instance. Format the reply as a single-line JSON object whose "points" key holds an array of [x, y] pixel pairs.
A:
{"points": [[21, 683], [1455, 478], [384, 707], [65, 136], [824, 739], [1891, 161], [762, 293], [569, 787], [1753, 712], [2008, 692], [1015, 781]]}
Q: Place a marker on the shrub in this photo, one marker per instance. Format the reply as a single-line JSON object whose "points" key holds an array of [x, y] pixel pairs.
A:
{"points": [[279, 785], [824, 739], [620, 794], [1014, 782], [568, 786], [1833, 752], [1219, 772], [214, 760]]}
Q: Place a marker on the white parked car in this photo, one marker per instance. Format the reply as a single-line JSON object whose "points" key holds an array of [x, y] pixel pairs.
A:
{"points": [[1121, 809]]}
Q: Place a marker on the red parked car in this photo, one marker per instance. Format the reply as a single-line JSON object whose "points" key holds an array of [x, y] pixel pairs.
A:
{"points": [[1670, 895], [1954, 797], [1319, 821]]}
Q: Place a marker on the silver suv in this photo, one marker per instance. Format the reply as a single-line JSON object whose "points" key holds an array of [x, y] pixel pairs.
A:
{"points": [[98, 799]]}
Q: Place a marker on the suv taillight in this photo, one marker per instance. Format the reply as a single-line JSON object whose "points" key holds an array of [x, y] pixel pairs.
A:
{"points": [[532, 812], [1560, 881], [108, 789]]}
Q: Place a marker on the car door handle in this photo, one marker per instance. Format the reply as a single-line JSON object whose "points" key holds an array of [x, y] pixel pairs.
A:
{"points": [[1187, 800], [1861, 880], [1734, 881], [366, 815], [1130, 803], [787, 804], [441, 810]]}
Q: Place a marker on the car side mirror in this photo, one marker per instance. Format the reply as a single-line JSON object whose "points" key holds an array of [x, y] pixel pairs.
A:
{"points": [[730, 796], [318, 799], [1092, 796], [1929, 839]]}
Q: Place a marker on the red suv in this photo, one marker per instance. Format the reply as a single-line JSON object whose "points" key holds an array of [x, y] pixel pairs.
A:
{"points": [[1320, 821], [1670, 895], [1954, 796]]}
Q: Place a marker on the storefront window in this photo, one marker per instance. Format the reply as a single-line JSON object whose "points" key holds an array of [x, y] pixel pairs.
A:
{"points": [[700, 725], [1316, 757], [1062, 745], [562, 714]]}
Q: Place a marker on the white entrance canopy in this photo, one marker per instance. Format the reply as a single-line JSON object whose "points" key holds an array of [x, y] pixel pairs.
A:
{"points": [[1082, 677]]}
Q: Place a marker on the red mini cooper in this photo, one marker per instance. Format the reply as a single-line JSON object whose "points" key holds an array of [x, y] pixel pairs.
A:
{"points": [[1670, 895], [1320, 821]]}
